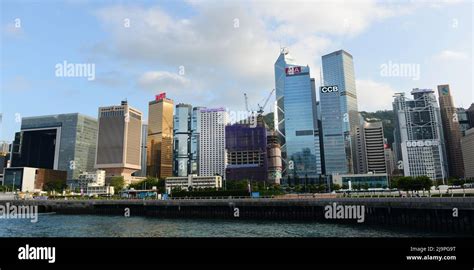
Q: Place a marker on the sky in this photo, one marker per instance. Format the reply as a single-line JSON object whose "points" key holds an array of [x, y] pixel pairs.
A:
{"points": [[209, 53]]}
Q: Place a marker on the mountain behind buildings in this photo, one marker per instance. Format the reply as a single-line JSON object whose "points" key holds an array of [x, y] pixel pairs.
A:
{"points": [[386, 116]]}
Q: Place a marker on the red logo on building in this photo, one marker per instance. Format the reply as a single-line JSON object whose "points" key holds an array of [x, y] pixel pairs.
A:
{"points": [[292, 70], [160, 96]]}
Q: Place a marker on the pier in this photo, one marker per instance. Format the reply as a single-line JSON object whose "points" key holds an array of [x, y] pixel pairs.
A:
{"points": [[454, 215]]}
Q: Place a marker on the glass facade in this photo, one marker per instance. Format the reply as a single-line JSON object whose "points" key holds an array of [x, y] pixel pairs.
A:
{"points": [[297, 119], [160, 138], [339, 113], [195, 133], [182, 140], [246, 149], [69, 143]]}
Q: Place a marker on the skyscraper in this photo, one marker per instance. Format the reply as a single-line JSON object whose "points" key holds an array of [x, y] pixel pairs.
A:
{"points": [[160, 137], [195, 135], [119, 141], [470, 115], [182, 140], [370, 148], [212, 158], [451, 131], [340, 115], [463, 120], [65, 142], [389, 160], [467, 146], [419, 134], [142, 171], [246, 150], [296, 119]]}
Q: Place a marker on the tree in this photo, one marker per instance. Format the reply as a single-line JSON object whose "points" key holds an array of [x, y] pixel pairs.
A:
{"points": [[424, 182], [149, 183], [55, 185], [117, 182], [237, 185], [394, 182]]}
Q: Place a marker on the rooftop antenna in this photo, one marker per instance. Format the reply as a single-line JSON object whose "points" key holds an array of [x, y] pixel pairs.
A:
{"points": [[321, 82]]}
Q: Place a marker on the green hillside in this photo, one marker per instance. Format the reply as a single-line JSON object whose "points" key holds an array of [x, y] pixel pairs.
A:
{"points": [[386, 117]]}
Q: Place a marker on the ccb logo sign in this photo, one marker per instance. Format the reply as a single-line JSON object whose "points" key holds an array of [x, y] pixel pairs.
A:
{"points": [[329, 89]]}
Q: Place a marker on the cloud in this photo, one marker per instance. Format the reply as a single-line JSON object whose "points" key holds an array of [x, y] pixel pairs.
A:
{"points": [[159, 81], [449, 55], [228, 48], [379, 94]]}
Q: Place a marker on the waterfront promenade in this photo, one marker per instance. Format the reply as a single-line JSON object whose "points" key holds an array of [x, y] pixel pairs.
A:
{"points": [[445, 214]]}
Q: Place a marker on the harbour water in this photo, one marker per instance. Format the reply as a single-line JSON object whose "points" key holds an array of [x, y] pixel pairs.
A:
{"points": [[55, 225]]}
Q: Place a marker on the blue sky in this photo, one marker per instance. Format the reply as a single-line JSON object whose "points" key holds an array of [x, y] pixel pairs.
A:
{"points": [[225, 48]]}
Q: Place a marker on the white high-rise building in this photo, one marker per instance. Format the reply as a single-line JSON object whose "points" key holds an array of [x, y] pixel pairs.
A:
{"points": [[419, 135], [212, 157]]}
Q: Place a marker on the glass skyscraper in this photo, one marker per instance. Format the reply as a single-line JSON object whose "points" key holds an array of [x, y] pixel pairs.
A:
{"points": [[182, 140], [339, 112], [65, 142], [160, 137], [296, 118]]}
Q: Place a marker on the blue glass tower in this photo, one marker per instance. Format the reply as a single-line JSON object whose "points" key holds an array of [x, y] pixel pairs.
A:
{"points": [[339, 113], [297, 123]]}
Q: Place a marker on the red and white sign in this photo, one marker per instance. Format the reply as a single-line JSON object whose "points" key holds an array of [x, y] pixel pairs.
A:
{"points": [[160, 96], [292, 70]]}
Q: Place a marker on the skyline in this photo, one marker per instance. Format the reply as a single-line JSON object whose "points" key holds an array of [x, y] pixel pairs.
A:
{"points": [[221, 61]]}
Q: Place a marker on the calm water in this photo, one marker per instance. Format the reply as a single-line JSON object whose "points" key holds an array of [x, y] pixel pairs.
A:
{"points": [[52, 225]]}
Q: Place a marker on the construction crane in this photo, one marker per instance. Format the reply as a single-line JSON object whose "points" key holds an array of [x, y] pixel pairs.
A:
{"points": [[246, 102], [260, 108]]}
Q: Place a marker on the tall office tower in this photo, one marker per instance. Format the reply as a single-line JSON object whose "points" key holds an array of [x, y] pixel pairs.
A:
{"points": [[296, 119], [467, 146], [4, 147], [142, 171], [246, 150], [463, 120], [4, 155], [182, 140], [451, 131], [389, 160], [212, 158], [370, 148], [470, 115], [65, 142], [195, 133], [119, 142], [340, 115], [420, 134], [160, 137]]}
